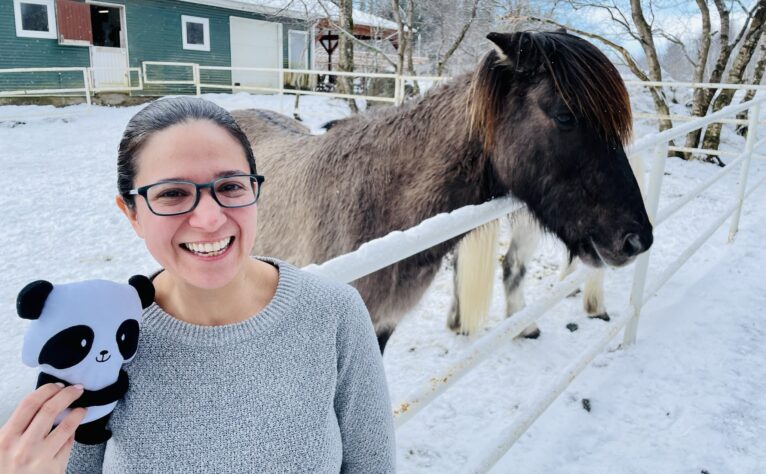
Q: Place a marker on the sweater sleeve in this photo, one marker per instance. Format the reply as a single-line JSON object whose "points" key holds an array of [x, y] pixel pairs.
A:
{"points": [[362, 403], [86, 459]]}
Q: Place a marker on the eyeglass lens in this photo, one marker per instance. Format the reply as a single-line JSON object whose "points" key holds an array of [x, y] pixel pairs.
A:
{"points": [[179, 197]]}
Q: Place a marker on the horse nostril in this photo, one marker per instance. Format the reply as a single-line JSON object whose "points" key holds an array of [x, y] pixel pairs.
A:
{"points": [[632, 245], [103, 353]]}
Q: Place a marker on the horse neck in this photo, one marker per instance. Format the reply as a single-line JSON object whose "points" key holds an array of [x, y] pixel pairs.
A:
{"points": [[425, 152]]}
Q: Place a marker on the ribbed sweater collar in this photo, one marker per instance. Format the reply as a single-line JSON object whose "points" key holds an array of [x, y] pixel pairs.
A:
{"points": [[159, 322]]}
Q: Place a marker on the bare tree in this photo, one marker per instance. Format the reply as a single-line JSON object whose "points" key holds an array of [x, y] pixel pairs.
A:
{"points": [[346, 46], [442, 61], [757, 78], [704, 96], [736, 73], [698, 102]]}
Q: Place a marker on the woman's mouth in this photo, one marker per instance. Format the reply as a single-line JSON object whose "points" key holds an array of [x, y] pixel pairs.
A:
{"points": [[208, 249]]}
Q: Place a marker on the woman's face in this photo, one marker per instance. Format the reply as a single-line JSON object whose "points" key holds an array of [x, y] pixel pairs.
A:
{"points": [[198, 151]]}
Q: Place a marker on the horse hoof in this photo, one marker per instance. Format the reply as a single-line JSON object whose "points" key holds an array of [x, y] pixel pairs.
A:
{"points": [[602, 316]]}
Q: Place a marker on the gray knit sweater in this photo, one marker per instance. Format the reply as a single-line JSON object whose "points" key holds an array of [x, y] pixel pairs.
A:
{"points": [[299, 387]]}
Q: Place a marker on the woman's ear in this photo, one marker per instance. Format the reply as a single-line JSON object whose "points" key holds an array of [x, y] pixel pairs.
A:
{"points": [[131, 214]]}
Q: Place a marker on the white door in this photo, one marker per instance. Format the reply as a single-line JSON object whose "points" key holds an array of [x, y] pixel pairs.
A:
{"points": [[255, 43], [110, 67]]}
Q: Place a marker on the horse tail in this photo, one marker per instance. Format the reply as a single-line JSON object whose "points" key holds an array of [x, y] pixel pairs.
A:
{"points": [[476, 262]]}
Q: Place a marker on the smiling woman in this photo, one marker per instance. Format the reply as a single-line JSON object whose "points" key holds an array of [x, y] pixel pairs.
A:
{"points": [[243, 364]]}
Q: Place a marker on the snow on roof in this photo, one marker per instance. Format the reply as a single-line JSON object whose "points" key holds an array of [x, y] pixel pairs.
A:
{"points": [[302, 9]]}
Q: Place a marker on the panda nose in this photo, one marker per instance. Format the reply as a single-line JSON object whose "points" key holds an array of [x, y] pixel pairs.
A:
{"points": [[103, 353]]}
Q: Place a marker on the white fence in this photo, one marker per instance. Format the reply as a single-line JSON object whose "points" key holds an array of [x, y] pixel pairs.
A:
{"points": [[399, 245], [83, 77]]}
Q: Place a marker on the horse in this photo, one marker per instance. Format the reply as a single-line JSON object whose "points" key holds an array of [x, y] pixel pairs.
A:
{"points": [[473, 272], [544, 117]]}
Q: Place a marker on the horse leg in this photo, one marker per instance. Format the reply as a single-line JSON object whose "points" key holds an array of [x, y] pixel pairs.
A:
{"points": [[593, 300], [474, 274], [453, 320], [525, 236]]}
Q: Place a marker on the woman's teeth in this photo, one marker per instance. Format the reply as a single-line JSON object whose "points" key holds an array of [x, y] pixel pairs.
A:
{"points": [[209, 249]]}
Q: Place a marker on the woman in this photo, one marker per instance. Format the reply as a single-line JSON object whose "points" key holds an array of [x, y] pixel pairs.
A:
{"points": [[244, 364]]}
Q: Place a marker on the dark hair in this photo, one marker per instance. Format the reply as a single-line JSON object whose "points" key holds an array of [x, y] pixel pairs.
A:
{"points": [[160, 115]]}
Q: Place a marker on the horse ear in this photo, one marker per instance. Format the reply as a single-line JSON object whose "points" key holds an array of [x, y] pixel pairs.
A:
{"points": [[31, 299], [144, 288], [516, 50]]}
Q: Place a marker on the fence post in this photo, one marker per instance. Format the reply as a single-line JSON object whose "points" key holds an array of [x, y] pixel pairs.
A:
{"points": [[752, 136], [398, 90], [86, 84], [195, 70], [642, 263]]}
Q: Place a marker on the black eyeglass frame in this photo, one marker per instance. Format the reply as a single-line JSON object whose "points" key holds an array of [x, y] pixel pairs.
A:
{"points": [[143, 191]]}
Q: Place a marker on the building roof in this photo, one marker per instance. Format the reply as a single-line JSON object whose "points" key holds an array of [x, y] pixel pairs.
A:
{"points": [[309, 10]]}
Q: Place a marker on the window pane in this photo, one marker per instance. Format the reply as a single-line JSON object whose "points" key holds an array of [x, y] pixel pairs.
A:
{"points": [[34, 17], [195, 33], [298, 49]]}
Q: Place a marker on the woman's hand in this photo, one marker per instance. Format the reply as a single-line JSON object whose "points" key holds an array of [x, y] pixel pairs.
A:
{"points": [[27, 444]]}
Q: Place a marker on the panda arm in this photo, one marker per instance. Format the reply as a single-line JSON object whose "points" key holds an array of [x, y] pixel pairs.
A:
{"points": [[90, 398]]}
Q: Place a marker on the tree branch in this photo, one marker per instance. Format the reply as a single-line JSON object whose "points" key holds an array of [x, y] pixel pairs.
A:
{"points": [[352, 37]]}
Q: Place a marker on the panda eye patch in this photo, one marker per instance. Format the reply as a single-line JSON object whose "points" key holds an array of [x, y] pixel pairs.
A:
{"points": [[67, 348], [127, 338]]}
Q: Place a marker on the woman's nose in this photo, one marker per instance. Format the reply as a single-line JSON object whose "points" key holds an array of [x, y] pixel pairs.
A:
{"points": [[208, 215]]}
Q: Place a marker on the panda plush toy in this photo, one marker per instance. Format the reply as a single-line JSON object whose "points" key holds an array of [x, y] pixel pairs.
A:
{"points": [[82, 333]]}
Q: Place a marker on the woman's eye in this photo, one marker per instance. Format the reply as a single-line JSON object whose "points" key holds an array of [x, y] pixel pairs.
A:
{"points": [[231, 187], [172, 194]]}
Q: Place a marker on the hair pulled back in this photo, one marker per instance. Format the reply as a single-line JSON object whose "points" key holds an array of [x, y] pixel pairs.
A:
{"points": [[160, 115]]}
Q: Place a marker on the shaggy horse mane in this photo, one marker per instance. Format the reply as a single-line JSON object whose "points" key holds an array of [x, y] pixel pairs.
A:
{"points": [[583, 76]]}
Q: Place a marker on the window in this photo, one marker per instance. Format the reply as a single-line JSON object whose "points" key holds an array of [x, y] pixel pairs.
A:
{"points": [[195, 32], [35, 18], [298, 54]]}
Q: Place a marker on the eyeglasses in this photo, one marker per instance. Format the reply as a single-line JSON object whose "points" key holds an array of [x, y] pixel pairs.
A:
{"points": [[171, 198]]}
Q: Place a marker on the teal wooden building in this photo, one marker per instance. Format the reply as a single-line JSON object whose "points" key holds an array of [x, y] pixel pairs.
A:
{"points": [[113, 36]]}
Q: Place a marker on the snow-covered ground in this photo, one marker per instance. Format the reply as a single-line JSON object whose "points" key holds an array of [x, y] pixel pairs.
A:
{"points": [[687, 398]]}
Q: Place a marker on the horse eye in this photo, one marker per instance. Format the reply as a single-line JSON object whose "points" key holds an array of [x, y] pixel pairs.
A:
{"points": [[565, 119]]}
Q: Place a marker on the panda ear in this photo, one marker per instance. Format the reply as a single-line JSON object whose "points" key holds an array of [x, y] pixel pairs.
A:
{"points": [[144, 288], [31, 299]]}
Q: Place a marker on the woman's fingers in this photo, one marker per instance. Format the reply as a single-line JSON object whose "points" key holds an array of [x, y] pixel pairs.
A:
{"points": [[29, 406], [62, 456], [43, 421], [57, 440]]}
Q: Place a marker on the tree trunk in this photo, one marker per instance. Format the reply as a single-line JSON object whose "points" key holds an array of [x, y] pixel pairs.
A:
{"points": [[346, 47], [706, 95], [713, 134], [757, 77], [410, 43], [699, 75], [655, 71], [401, 39]]}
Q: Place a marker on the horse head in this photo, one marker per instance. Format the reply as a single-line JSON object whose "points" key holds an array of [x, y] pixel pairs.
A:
{"points": [[553, 116]]}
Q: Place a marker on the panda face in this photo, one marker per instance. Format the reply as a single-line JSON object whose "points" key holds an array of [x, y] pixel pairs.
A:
{"points": [[86, 331]]}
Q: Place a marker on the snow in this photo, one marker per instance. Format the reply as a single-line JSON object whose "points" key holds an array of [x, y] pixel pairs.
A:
{"points": [[316, 9], [688, 397]]}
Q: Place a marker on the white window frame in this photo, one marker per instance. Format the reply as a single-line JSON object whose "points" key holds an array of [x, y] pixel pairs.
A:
{"points": [[205, 28], [22, 33], [290, 48]]}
